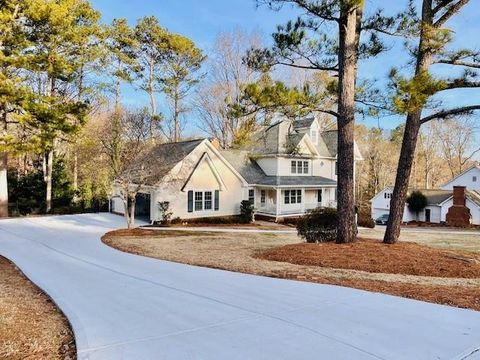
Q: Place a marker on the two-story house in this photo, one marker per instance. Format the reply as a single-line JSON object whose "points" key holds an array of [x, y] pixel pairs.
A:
{"points": [[286, 169]]}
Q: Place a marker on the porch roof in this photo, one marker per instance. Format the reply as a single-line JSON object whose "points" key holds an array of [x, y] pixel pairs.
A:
{"points": [[317, 181]]}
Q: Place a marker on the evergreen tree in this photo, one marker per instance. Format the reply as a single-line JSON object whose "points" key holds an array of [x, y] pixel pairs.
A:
{"points": [[307, 43], [413, 96]]}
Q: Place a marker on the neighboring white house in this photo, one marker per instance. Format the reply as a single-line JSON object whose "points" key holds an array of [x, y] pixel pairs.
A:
{"points": [[439, 201], [287, 169], [470, 178]]}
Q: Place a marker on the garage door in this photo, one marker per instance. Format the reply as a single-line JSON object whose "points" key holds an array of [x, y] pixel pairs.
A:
{"points": [[142, 207]]}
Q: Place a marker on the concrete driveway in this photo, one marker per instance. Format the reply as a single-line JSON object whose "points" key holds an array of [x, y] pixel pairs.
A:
{"points": [[123, 306]]}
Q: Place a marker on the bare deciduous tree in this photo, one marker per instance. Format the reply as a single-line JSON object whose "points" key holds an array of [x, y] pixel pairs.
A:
{"points": [[458, 142]]}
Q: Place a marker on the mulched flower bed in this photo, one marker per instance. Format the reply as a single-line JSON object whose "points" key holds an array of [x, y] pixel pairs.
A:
{"points": [[373, 256]]}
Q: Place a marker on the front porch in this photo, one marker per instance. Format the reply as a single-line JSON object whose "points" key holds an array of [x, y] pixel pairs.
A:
{"points": [[290, 202]]}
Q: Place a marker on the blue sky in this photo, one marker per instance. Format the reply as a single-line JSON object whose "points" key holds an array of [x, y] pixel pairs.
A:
{"points": [[203, 20]]}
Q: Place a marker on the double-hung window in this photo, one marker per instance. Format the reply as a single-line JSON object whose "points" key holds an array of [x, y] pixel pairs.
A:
{"points": [[208, 200], [198, 201], [203, 200], [263, 197], [299, 167], [293, 166], [293, 197], [305, 167], [251, 196]]}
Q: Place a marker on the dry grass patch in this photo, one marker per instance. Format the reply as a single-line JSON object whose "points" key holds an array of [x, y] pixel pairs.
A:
{"points": [[374, 256], [31, 326], [239, 252]]}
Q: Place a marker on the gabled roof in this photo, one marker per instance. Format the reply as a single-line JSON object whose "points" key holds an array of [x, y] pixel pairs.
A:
{"points": [[303, 123], [240, 160], [330, 138], [434, 196], [474, 196], [161, 158], [474, 166], [254, 175]]}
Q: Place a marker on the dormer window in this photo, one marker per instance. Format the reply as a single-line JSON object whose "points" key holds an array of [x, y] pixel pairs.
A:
{"points": [[299, 167], [314, 136]]}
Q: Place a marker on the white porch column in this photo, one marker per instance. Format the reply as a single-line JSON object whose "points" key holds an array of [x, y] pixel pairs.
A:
{"points": [[303, 201], [279, 202]]}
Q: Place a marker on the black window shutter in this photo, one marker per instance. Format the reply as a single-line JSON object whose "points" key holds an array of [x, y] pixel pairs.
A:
{"points": [[217, 200], [190, 201]]}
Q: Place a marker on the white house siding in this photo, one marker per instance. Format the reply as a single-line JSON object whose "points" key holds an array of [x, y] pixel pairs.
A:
{"points": [[435, 214], [466, 179], [232, 191], [380, 205], [475, 211], [324, 167], [116, 204]]}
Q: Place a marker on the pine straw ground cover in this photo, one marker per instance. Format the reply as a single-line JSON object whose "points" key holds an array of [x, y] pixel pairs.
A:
{"points": [[31, 326], [449, 277]]}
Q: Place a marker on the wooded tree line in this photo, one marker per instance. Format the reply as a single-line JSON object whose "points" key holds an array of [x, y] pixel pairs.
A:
{"points": [[62, 74]]}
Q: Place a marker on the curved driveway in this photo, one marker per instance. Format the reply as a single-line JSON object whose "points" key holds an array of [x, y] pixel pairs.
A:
{"points": [[123, 306]]}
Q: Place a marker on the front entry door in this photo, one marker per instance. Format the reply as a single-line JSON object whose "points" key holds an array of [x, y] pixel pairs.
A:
{"points": [[427, 215]]}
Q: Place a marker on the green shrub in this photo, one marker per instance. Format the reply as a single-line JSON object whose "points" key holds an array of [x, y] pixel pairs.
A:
{"points": [[246, 212], [318, 225], [176, 220], [365, 220]]}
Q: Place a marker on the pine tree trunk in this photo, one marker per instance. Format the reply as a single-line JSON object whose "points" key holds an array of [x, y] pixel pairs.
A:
{"points": [[410, 137], [346, 124], [48, 180]]}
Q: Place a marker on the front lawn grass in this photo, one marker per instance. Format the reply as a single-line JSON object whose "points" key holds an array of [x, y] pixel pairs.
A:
{"points": [[406, 269]]}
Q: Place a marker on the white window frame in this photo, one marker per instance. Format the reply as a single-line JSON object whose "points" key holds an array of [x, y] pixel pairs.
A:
{"points": [[306, 167], [263, 197], [198, 200], [293, 166], [300, 167], [205, 201], [251, 196], [294, 196]]}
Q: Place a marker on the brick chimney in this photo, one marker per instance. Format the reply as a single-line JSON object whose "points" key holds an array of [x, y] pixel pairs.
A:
{"points": [[459, 215]]}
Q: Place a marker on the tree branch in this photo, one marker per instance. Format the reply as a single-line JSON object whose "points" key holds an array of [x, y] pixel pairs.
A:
{"points": [[458, 63], [462, 84], [449, 113], [452, 10]]}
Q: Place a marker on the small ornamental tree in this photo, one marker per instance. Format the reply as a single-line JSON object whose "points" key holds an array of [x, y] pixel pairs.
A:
{"points": [[166, 214], [417, 202], [247, 212]]}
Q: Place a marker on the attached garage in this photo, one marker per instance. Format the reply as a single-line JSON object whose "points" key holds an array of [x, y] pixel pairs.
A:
{"points": [[143, 207]]}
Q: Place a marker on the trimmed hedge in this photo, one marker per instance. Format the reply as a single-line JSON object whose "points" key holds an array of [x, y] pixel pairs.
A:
{"points": [[318, 225]]}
